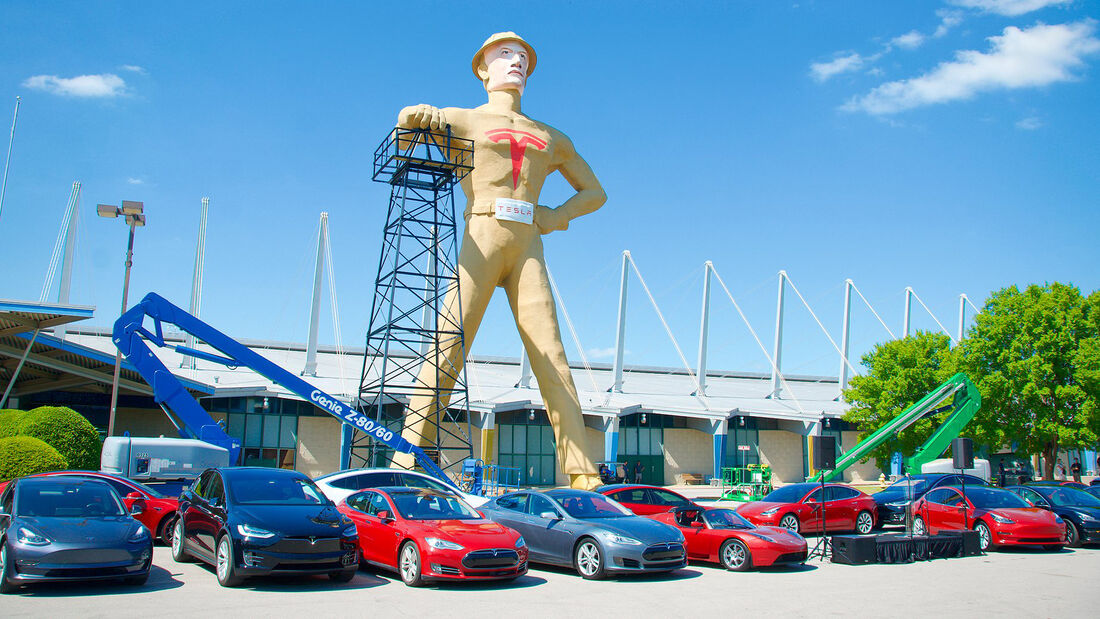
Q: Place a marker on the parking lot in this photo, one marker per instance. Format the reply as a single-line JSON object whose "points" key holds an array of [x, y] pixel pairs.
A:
{"points": [[1017, 583]]}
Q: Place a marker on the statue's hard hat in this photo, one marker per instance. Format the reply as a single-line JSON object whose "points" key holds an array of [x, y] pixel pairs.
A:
{"points": [[506, 36]]}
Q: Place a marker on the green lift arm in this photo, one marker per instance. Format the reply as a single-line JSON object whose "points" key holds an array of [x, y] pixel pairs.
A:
{"points": [[965, 403]]}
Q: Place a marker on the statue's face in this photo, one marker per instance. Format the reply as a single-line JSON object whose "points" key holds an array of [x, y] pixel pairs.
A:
{"points": [[506, 63]]}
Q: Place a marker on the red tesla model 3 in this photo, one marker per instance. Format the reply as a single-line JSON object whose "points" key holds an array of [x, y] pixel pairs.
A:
{"points": [[425, 534], [723, 536], [1000, 517], [798, 507]]}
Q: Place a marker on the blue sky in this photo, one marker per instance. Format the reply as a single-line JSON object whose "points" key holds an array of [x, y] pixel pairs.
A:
{"points": [[948, 146]]}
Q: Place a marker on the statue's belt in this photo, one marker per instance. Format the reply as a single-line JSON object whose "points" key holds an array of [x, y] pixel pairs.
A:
{"points": [[504, 209]]}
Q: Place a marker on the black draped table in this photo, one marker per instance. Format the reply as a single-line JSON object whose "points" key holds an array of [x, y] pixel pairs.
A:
{"points": [[899, 548]]}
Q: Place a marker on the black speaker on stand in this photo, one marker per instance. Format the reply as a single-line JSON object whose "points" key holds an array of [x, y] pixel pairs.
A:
{"points": [[962, 458], [824, 461]]}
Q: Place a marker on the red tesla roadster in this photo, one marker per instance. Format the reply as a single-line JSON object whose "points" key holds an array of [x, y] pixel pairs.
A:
{"points": [[1000, 517], [798, 507], [426, 535], [722, 536]]}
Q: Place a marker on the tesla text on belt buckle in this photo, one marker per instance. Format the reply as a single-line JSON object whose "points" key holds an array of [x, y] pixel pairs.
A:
{"points": [[508, 209]]}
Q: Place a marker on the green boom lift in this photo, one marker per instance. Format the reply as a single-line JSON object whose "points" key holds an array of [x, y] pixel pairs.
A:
{"points": [[965, 401]]}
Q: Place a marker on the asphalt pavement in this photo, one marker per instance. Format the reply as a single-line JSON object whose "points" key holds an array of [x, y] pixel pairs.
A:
{"points": [[1016, 583]]}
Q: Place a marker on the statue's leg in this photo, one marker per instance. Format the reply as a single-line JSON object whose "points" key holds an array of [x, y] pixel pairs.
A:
{"points": [[477, 276], [532, 303]]}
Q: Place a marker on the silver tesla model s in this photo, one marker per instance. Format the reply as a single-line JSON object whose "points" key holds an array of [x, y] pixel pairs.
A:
{"points": [[589, 532]]}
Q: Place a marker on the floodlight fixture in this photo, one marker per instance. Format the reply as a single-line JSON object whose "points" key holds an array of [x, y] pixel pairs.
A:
{"points": [[106, 210]]}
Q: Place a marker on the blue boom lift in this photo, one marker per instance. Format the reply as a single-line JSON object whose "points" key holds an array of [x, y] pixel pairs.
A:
{"points": [[132, 339]]}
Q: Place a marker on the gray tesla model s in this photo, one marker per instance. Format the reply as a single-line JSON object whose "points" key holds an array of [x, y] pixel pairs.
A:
{"points": [[589, 532]]}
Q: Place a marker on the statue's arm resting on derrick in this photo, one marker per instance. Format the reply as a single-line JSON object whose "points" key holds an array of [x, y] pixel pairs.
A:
{"points": [[589, 197], [424, 116]]}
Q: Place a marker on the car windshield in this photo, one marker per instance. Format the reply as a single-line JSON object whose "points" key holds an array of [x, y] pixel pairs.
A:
{"points": [[586, 506], [1072, 497], [988, 498], [431, 505], [902, 487], [69, 499], [280, 490], [726, 519], [787, 494]]}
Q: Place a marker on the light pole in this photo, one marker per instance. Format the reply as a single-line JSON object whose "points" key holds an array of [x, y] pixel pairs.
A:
{"points": [[135, 216]]}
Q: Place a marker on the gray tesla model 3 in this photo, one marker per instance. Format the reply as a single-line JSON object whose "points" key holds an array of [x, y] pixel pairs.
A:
{"points": [[589, 532]]}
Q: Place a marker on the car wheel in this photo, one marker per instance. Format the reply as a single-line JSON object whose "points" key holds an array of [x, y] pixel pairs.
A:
{"points": [[985, 538], [179, 554], [865, 522], [790, 521], [735, 555], [167, 529], [342, 576], [6, 586], [408, 565], [919, 528], [588, 559], [1073, 536], [225, 566]]}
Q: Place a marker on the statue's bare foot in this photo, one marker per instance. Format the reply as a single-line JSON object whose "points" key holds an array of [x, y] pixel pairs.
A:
{"points": [[582, 481]]}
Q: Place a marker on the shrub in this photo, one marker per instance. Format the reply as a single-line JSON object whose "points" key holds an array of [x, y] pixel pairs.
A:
{"points": [[26, 455], [67, 431], [9, 421]]}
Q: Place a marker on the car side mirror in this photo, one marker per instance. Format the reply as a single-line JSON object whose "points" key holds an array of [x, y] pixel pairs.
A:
{"points": [[385, 516], [811, 500], [134, 496], [138, 507], [550, 515], [697, 525]]}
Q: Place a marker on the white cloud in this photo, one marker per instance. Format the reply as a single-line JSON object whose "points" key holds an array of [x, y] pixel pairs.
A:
{"points": [[948, 20], [135, 181], [1029, 124], [909, 40], [105, 85], [1030, 58], [601, 353], [822, 71], [133, 68], [1009, 8]]}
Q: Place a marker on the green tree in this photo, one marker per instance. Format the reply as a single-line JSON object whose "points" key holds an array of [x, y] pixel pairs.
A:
{"points": [[899, 373], [26, 455], [65, 430], [1035, 356]]}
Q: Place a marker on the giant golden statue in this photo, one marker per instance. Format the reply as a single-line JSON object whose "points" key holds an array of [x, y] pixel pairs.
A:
{"points": [[502, 244]]}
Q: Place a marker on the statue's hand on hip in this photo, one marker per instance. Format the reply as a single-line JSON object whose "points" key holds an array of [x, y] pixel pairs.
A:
{"points": [[424, 116], [550, 219]]}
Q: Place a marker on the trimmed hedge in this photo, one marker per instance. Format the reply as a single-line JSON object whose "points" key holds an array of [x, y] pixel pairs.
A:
{"points": [[9, 421], [26, 455], [67, 431]]}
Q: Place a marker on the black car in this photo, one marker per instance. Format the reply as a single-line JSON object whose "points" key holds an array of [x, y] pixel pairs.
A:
{"points": [[69, 529], [893, 502], [253, 521], [1079, 509]]}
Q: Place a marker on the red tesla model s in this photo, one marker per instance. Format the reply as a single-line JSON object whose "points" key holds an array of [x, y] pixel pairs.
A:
{"points": [[645, 500], [722, 536], [425, 534], [158, 511], [798, 507], [1000, 517]]}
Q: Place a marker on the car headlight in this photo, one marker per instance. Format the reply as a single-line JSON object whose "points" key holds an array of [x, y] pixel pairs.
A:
{"points": [[770, 512], [349, 531], [30, 537], [248, 530], [1001, 519], [626, 541], [442, 544], [139, 534], [520, 543]]}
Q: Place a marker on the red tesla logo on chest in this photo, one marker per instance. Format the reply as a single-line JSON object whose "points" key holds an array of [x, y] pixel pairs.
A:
{"points": [[519, 141]]}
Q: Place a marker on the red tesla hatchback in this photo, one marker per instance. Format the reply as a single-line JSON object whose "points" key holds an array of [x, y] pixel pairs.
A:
{"points": [[158, 511], [798, 507], [722, 536], [1000, 517], [427, 535], [645, 500]]}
